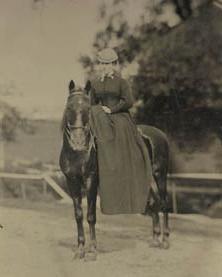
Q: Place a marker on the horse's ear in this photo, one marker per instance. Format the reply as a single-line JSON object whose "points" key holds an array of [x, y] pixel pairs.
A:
{"points": [[71, 86], [88, 86]]}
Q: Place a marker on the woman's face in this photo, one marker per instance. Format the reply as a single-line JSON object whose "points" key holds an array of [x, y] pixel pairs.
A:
{"points": [[107, 68]]}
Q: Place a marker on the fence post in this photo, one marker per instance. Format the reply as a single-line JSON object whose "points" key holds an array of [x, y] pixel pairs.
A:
{"points": [[2, 158], [2, 154], [23, 191], [44, 187], [1, 189], [174, 197]]}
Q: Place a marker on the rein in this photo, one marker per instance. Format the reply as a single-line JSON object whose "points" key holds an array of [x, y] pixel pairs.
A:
{"points": [[91, 144]]}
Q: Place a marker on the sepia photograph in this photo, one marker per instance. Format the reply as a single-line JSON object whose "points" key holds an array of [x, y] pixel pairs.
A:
{"points": [[110, 138]]}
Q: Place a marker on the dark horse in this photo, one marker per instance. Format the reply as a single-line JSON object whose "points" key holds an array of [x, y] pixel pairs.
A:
{"points": [[78, 162]]}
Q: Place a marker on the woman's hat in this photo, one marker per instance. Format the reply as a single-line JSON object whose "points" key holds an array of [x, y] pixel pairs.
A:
{"points": [[107, 55]]}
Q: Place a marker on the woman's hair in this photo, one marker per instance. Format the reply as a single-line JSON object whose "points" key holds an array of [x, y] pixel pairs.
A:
{"points": [[115, 62]]}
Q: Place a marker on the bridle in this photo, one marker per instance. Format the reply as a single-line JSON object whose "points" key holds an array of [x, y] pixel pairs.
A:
{"points": [[86, 128], [71, 126]]}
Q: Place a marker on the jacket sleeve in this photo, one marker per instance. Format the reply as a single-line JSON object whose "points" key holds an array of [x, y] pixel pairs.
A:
{"points": [[126, 98]]}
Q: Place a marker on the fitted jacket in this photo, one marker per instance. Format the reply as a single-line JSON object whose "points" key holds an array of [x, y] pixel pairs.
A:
{"points": [[114, 93]]}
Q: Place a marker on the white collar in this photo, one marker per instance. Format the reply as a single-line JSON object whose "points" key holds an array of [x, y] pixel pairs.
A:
{"points": [[109, 75]]}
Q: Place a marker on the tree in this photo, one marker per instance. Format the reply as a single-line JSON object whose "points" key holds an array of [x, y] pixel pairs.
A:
{"points": [[179, 69], [11, 119], [183, 8]]}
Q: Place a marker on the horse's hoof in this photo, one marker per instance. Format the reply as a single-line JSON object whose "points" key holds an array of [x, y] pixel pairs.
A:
{"points": [[91, 253], [165, 244], [154, 243], [79, 254]]}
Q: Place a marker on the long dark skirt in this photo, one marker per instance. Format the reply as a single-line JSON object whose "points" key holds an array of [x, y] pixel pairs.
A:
{"points": [[124, 165]]}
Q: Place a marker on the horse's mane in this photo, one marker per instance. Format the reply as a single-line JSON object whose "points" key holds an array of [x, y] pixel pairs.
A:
{"points": [[63, 122]]}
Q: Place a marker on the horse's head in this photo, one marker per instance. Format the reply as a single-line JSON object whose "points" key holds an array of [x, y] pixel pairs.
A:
{"points": [[76, 117]]}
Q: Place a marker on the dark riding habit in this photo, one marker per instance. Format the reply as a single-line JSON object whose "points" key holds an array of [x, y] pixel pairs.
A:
{"points": [[123, 160]]}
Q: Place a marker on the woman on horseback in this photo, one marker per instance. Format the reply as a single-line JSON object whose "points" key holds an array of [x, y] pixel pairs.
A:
{"points": [[124, 166]]}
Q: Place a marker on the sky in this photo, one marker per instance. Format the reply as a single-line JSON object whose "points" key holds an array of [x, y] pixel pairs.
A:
{"points": [[39, 49]]}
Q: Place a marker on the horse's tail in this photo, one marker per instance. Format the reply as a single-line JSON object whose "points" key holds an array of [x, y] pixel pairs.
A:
{"points": [[157, 139]]}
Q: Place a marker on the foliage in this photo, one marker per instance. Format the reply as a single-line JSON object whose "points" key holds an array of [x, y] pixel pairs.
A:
{"points": [[12, 121], [183, 8], [178, 82]]}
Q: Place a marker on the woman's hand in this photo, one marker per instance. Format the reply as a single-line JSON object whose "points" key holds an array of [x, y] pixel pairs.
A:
{"points": [[106, 109]]}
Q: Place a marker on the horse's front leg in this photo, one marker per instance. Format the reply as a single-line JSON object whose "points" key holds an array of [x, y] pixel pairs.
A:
{"points": [[91, 215], [75, 189], [77, 200]]}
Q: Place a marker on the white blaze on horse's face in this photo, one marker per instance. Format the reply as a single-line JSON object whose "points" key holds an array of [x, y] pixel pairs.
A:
{"points": [[77, 121], [80, 101], [77, 133]]}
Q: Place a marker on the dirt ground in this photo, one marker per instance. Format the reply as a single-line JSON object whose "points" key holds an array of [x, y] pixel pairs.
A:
{"points": [[38, 239]]}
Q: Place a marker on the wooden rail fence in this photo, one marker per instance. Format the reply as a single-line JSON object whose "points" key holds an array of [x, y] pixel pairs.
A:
{"points": [[46, 179], [205, 183], [177, 183]]}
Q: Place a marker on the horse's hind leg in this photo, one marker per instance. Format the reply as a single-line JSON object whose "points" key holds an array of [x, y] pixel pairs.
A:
{"points": [[155, 242], [161, 204], [166, 230], [75, 189], [162, 182], [153, 211], [91, 215]]}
